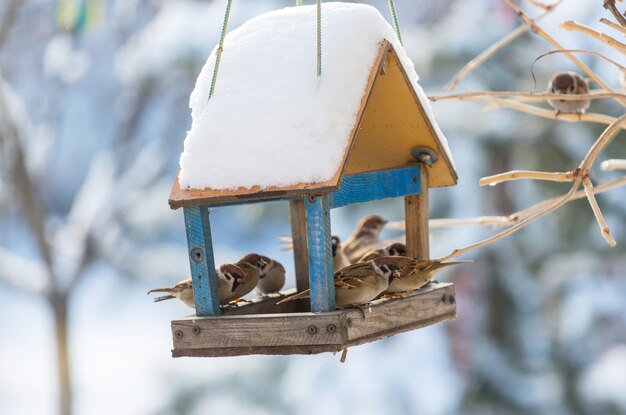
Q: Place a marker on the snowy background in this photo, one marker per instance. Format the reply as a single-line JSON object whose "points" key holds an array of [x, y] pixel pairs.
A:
{"points": [[93, 113]]}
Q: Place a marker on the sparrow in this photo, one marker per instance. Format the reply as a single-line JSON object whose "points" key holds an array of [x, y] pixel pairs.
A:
{"points": [[229, 278], [252, 265], [365, 237], [416, 273], [569, 83], [392, 249], [340, 259], [358, 284], [272, 278]]}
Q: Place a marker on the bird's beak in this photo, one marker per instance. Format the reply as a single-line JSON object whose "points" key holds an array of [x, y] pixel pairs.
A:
{"points": [[395, 275]]}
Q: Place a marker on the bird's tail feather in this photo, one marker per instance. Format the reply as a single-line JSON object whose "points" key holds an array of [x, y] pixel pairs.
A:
{"points": [[161, 290], [296, 296]]}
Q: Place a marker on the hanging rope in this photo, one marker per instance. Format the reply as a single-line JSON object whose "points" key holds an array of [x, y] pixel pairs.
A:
{"points": [[394, 17], [319, 38], [220, 48], [298, 2]]}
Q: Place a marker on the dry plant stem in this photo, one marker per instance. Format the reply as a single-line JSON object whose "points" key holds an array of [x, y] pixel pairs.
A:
{"points": [[604, 227], [525, 96], [611, 41], [583, 169], [527, 174], [480, 221], [546, 7], [613, 164], [550, 114], [551, 40], [493, 49], [522, 214], [610, 6], [613, 25]]}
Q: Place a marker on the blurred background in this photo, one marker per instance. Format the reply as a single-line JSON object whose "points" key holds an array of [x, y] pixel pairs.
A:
{"points": [[93, 113]]}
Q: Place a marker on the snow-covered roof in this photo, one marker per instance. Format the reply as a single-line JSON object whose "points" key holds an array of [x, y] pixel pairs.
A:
{"points": [[271, 122]]}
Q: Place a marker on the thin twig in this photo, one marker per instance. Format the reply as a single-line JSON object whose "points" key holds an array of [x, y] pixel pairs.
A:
{"points": [[610, 6], [492, 50], [543, 6], [541, 112], [527, 96], [527, 174], [613, 164], [613, 25], [604, 227], [602, 37]]}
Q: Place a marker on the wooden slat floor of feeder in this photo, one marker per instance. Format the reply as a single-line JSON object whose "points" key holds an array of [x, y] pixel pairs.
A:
{"points": [[262, 327]]}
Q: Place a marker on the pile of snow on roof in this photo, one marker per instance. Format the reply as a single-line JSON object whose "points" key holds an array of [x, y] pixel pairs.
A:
{"points": [[271, 121]]}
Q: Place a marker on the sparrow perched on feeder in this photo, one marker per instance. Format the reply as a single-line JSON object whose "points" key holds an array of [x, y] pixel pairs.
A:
{"points": [[569, 83], [358, 284], [272, 278], [253, 265], [393, 249], [229, 278], [417, 273], [365, 237], [340, 259]]}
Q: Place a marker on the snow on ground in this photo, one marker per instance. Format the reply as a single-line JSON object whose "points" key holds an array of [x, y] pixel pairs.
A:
{"points": [[271, 120]]}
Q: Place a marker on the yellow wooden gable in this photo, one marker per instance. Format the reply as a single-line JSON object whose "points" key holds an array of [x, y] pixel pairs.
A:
{"points": [[391, 122]]}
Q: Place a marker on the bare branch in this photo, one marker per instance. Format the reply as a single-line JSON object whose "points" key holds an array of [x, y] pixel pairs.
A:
{"points": [[613, 164], [527, 174], [493, 49], [602, 37], [610, 6], [612, 25], [526, 96], [604, 228]]}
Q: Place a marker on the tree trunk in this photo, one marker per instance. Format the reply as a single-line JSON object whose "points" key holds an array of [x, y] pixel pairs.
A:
{"points": [[59, 308]]}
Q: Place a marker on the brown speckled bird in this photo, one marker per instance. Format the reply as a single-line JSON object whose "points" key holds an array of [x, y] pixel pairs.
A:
{"points": [[417, 273], [272, 278], [229, 278], [569, 83], [252, 264], [358, 284], [393, 249], [366, 237]]}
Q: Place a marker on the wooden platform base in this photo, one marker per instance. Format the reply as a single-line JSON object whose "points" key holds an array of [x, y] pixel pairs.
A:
{"points": [[266, 328]]}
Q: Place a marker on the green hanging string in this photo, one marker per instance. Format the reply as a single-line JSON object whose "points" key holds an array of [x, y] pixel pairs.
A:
{"points": [[298, 2], [220, 48], [319, 38], [394, 16]]}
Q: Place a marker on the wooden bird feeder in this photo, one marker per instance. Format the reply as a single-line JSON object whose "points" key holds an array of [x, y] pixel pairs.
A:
{"points": [[393, 150]]}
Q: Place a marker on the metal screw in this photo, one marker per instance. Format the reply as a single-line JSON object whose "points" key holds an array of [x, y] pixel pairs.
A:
{"points": [[312, 198], [197, 255], [196, 330], [444, 298], [349, 322], [178, 334], [312, 330], [331, 328], [451, 299]]}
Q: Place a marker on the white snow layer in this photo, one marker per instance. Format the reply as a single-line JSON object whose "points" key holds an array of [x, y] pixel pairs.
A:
{"points": [[271, 121]]}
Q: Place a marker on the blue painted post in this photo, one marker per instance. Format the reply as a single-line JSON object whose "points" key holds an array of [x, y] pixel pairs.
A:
{"points": [[201, 261], [320, 254]]}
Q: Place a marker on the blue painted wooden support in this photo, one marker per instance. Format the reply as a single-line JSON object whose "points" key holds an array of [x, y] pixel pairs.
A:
{"points": [[201, 261], [376, 185], [320, 254]]}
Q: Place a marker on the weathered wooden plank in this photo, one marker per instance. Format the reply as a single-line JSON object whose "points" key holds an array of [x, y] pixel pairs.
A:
{"points": [[292, 333], [376, 185], [297, 214], [258, 330], [393, 314], [320, 253], [201, 260], [416, 219]]}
